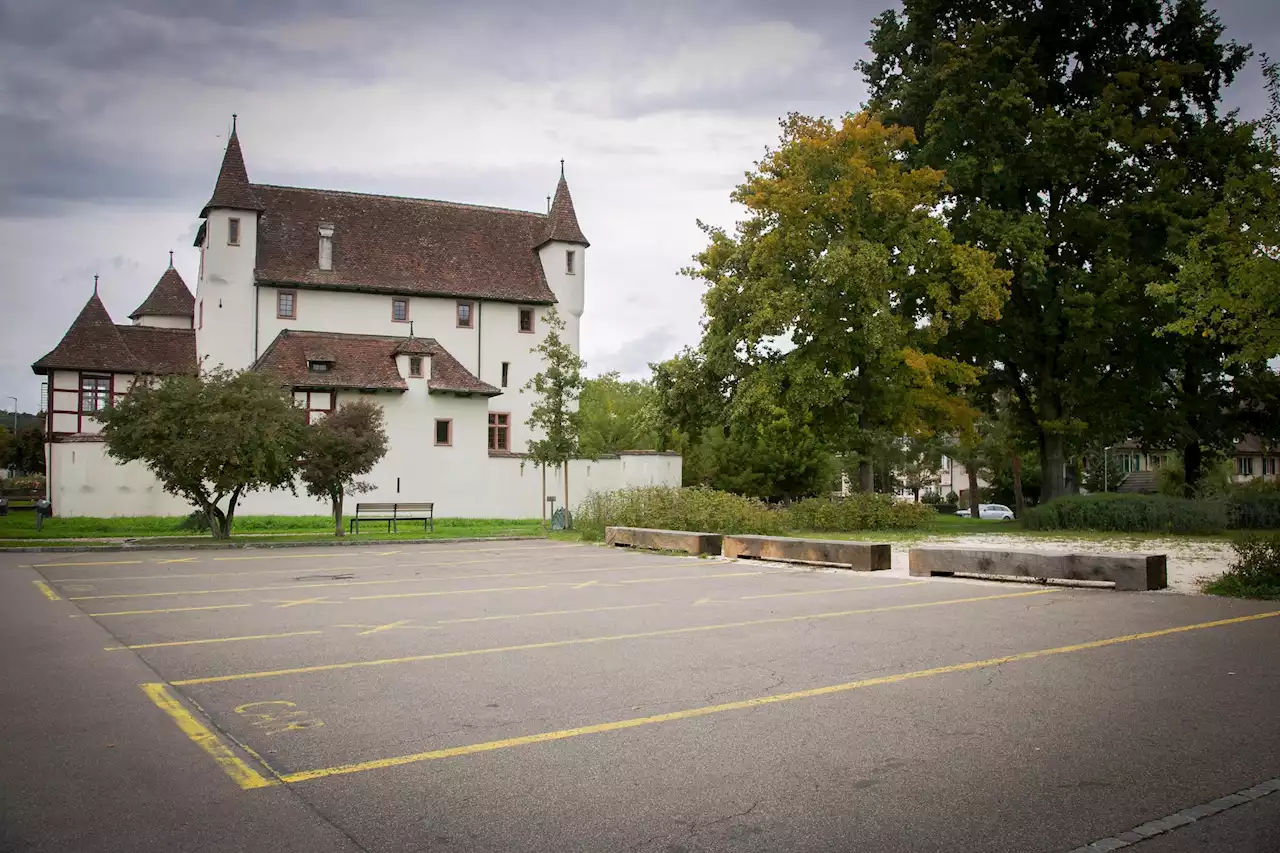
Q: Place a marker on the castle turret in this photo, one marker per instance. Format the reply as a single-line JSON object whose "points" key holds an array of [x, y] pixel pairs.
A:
{"points": [[170, 304], [563, 255], [228, 242]]}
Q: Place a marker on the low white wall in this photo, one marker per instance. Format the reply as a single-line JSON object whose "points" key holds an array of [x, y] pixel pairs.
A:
{"points": [[85, 482]]}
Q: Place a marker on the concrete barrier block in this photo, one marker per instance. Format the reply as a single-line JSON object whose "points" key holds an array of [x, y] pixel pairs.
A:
{"points": [[859, 556], [1126, 571], [691, 542]]}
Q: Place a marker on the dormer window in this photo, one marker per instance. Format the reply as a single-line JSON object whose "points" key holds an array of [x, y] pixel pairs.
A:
{"points": [[415, 365], [570, 256], [319, 366], [326, 246], [233, 231]]}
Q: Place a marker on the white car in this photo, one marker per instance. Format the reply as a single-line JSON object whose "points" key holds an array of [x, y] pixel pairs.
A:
{"points": [[995, 512]]}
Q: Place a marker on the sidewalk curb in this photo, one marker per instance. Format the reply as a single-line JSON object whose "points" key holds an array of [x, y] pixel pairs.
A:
{"points": [[231, 546]]}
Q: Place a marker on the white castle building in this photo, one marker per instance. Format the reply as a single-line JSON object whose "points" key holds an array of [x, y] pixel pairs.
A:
{"points": [[430, 308]]}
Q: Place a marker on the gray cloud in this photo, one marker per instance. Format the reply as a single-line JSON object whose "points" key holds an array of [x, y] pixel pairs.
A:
{"points": [[633, 358]]}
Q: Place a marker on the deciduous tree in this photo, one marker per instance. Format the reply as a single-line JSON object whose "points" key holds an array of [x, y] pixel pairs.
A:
{"points": [[555, 414], [338, 449], [208, 438]]}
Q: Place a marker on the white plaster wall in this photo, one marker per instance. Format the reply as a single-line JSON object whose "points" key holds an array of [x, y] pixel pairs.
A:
{"points": [[84, 481], [164, 322], [226, 290], [569, 289]]}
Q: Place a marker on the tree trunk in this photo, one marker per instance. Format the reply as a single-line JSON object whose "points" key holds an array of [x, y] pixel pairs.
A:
{"points": [[231, 511], [337, 514], [568, 518], [915, 494], [975, 498], [866, 477], [1019, 502], [1053, 459], [1192, 468], [544, 497]]}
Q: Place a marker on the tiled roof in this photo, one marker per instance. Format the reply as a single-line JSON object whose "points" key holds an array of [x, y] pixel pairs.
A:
{"points": [[162, 351], [95, 343], [562, 223], [169, 298], [232, 189], [363, 361], [92, 343], [389, 244]]}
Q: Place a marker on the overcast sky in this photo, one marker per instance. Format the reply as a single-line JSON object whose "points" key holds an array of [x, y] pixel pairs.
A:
{"points": [[113, 117]]}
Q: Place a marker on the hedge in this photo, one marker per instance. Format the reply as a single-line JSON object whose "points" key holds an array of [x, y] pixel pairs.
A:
{"points": [[669, 508], [1251, 508], [859, 512]]}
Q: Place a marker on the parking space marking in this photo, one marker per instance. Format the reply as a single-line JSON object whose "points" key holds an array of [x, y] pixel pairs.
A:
{"points": [[690, 713], [210, 640], [98, 563], [383, 581], [438, 592], [375, 554], [695, 577], [833, 589], [390, 626], [244, 775], [548, 613], [178, 560], [166, 610], [285, 603], [47, 590], [580, 641]]}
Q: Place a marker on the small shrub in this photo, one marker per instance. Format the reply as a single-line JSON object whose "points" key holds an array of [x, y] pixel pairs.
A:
{"points": [[1254, 507], [1130, 513], [859, 512], [695, 508], [947, 508], [1255, 572], [35, 482], [931, 498]]}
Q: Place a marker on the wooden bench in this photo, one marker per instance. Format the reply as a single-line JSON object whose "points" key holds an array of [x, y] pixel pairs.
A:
{"points": [[393, 513], [1126, 571], [691, 542], [859, 556]]}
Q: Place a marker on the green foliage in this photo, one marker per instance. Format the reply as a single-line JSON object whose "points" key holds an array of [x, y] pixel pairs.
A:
{"points": [[859, 512], [556, 389], [338, 449], [1130, 513], [26, 449], [668, 508], [1255, 573], [208, 438], [1255, 506], [614, 415]]}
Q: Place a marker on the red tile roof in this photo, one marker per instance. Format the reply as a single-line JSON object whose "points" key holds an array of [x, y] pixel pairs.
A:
{"points": [[388, 244], [169, 298], [232, 189], [562, 224], [95, 343], [364, 362]]}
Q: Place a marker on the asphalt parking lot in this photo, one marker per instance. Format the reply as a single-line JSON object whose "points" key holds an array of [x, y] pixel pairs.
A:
{"points": [[545, 696]]}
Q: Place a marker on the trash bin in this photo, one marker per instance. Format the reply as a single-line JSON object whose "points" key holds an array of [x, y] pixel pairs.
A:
{"points": [[44, 509]]}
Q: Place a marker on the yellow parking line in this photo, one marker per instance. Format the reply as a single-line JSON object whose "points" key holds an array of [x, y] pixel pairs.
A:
{"points": [[837, 589], [443, 592], [692, 577], [381, 582], [690, 713], [244, 775], [377, 554], [211, 640], [547, 613], [100, 563], [667, 632], [167, 610], [47, 590]]}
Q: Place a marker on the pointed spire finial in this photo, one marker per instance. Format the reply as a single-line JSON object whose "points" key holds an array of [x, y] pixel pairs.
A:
{"points": [[95, 285], [171, 259], [561, 168], [233, 122], [411, 328], [548, 204]]}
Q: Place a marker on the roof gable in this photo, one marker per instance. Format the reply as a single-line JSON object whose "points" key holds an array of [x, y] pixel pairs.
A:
{"points": [[392, 244], [93, 342], [232, 189], [363, 362], [169, 298]]}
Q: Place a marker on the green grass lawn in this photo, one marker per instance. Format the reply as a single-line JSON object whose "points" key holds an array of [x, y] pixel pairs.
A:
{"points": [[261, 528]]}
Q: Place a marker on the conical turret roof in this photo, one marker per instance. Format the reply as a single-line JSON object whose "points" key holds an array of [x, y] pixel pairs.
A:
{"points": [[232, 190], [562, 222], [92, 343], [169, 298]]}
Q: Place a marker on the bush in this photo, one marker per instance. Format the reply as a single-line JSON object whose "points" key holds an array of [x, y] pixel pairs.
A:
{"points": [[1130, 513], [931, 498], [859, 512], [1255, 572], [35, 482], [1254, 507], [947, 509], [696, 508]]}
